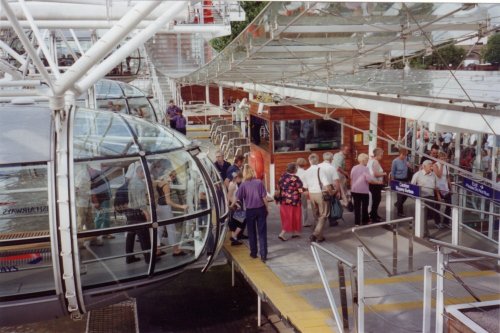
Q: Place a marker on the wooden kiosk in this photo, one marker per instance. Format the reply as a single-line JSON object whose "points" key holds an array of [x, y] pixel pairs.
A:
{"points": [[280, 134]]}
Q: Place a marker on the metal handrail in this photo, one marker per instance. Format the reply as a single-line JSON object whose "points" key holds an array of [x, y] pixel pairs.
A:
{"points": [[444, 204], [394, 244], [347, 263], [466, 249], [341, 323]]}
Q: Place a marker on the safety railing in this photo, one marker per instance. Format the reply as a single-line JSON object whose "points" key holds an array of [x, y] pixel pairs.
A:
{"points": [[342, 322], [395, 233], [443, 266]]}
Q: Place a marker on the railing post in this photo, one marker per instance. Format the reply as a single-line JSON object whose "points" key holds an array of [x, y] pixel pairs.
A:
{"points": [[455, 225], [328, 291], [426, 325], [259, 303], [361, 291], [394, 249], [439, 290], [419, 218], [410, 248], [388, 205]]}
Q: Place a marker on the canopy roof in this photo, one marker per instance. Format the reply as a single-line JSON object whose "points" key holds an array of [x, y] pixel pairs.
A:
{"points": [[344, 45]]}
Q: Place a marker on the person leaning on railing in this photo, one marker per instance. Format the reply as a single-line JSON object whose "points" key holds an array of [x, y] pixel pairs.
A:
{"points": [[428, 183]]}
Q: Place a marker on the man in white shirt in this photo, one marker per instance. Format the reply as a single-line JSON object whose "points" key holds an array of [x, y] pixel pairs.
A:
{"points": [[301, 173], [332, 177], [428, 181], [315, 181]]}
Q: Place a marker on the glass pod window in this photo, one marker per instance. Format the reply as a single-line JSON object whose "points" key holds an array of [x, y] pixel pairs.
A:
{"points": [[25, 249]]}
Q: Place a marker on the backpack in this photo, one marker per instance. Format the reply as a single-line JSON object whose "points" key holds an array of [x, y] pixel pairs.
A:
{"points": [[336, 210]]}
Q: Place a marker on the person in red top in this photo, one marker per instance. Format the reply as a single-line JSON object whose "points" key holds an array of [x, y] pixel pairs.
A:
{"points": [[290, 202]]}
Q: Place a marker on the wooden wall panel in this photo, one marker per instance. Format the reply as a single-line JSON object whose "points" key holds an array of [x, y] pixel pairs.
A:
{"points": [[234, 94], [193, 93], [213, 94]]}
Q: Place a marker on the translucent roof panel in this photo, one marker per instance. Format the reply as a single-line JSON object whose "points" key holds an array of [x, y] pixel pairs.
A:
{"points": [[109, 89], [30, 142], [319, 42], [108, 134]]}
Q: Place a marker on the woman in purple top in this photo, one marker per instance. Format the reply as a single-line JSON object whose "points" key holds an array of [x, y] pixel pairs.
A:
{"points": [[360, 180], [252, 195], [180, 122]]}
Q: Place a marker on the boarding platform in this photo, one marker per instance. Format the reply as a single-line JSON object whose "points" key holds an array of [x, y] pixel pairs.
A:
{"points": [[393, 274]]}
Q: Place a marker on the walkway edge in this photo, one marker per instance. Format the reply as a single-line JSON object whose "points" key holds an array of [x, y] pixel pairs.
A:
{"points": [[289, 304]]}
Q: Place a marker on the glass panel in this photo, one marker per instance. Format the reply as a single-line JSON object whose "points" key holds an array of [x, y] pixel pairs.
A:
{"points": [[306, 135], [24, 213], [131, 91], [155, 138], [140, 107], [108, 89], [24, 201], [97, 134], [20, 127], [115, 105], [97, 187], [178, 183], [124, 255]]}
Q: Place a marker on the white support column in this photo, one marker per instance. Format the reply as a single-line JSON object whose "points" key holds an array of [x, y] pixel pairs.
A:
{"points": [[419, 218], [361, 290], [207, 94], [439, 291], [427, 308], [259, 304], [26, 43], [455, 225], [105, 44], [388, 205], [130, 46], [457, 147], [414, 142], [53, 65], [373, 132], [494, 152], [250, 96], [221, 96]]}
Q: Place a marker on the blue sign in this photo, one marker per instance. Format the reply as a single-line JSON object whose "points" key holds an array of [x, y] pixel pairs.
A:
{"points": [[405, 188], [481, 189]]}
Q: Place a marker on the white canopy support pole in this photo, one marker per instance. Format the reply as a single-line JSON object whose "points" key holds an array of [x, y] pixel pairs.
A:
{"points": [[440, 291], [12, 53], [40, 40], [105, 44], [373, 132], [26, 43], [221, 97], [427, 308], [140, 38], [77, 42], [65, 41], [207, 94]]}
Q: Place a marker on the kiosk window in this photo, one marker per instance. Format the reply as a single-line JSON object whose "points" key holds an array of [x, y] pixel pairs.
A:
{"points": [[306, 135]]}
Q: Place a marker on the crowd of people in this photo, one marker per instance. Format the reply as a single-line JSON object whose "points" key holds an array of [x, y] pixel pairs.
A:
{"points": [[320, 184]]}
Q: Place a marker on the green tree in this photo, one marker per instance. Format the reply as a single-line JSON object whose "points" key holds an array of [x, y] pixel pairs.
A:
{"points": [[445, 56], [252, 9], [492, 51]]}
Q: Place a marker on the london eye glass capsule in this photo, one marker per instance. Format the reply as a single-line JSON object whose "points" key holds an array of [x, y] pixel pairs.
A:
{"points": [[143, 206]]}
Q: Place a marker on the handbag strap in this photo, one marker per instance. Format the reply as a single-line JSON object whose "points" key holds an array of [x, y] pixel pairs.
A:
{"points": [[319, 180]]}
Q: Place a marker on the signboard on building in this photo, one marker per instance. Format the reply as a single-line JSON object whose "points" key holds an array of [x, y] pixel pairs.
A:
{"points": [[405, 188]]}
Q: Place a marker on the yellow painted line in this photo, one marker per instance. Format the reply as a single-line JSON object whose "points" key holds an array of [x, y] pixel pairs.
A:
{"points": [[390, 280], [292, 306], [416, 305]]}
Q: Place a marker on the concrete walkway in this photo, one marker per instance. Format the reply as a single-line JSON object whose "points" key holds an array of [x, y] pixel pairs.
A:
{"points": [[290, 281]]}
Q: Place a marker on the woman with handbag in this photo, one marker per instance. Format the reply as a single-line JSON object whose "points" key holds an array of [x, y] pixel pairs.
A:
{"points": [[164, 211], [290, 189], [237, 218]]}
